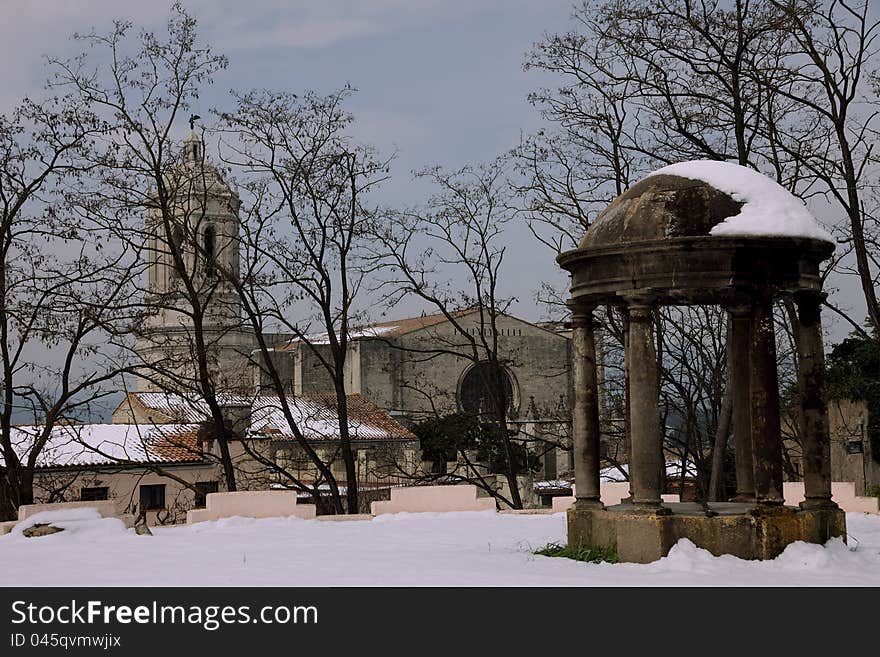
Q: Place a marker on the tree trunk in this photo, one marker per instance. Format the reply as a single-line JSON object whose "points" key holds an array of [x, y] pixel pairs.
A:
{"points": [[228, 470], [351, 484], [515, 498]]}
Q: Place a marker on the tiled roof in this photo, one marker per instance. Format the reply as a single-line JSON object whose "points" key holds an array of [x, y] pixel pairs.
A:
{"points": [[317, 418], [107, 444], [315, 415], [170, 407]]}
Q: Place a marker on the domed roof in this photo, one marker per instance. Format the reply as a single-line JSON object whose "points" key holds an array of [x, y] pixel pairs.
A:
{"points": [[661, 207], [699, 232], [698, 199]]}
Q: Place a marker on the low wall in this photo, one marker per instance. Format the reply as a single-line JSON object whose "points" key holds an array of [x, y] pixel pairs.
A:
{"points": [[842, 492], [251, 504], [107, 509], [415, 499], [611, 493]]}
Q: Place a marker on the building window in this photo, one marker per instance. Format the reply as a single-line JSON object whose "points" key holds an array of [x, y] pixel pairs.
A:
{"points": [[550, 463], [482, 387], [295, 461], [93, 494], [203, 488], [152, 497], [209, 248]]}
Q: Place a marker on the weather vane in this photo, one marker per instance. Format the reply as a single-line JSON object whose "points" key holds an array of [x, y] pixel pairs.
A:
{"points": [[192, 121]]}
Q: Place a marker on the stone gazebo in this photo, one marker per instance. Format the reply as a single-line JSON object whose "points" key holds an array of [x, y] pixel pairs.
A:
{"points": [[675, 238]]}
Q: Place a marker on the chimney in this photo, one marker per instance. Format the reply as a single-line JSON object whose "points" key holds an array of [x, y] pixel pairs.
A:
{"points": [[237, 414]]}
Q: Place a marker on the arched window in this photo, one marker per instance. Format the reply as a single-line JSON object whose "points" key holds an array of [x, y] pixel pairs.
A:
{"points": [[483, 387], [208, 249]]}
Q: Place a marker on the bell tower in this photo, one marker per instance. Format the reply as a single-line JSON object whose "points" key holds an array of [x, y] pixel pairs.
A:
{"points": [[193, 263]]}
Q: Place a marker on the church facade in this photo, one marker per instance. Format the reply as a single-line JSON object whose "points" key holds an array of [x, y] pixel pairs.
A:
{"points": [[410, 367], [426, 365], [155, 457]]}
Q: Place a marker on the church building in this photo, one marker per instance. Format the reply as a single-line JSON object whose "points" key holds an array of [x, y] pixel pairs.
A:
{"points": [[410, 367], [426, 365]]}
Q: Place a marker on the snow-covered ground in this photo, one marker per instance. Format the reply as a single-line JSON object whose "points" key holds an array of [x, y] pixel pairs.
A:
{"points": [[439, 549]]}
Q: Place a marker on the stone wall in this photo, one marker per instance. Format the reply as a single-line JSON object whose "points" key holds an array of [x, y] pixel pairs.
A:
{"points": [[851, 455], [396, 373], [537, 360]]}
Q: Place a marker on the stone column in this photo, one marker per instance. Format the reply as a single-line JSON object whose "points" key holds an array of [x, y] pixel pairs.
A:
{"points": [[766, 434], [740, 388], [646, 459], [585, 409], [815, 433]]}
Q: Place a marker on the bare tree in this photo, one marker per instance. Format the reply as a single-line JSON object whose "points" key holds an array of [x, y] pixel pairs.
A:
{"points": [[156, 193], [60, 293], [693, 377], [303, 238], [450, 254], [833, 82]]}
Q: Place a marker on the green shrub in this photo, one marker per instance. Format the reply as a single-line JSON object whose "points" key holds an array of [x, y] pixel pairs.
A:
{"points": [[443, 438], [873, 490], [589, 554], [853, 372]]}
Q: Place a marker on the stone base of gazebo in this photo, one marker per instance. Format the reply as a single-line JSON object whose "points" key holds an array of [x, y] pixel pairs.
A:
{"points": [[743, 530]]}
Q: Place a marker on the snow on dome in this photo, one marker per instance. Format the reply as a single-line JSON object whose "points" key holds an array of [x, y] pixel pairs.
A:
{"points": [[769, 209]]}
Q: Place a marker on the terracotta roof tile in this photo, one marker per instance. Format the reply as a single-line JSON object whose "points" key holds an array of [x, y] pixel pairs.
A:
{"points": [[316, 415], [110, 444]]}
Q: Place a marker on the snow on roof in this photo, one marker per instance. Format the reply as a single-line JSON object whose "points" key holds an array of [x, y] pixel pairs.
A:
{"points": [[552, 484], [353, 334], [769, 209], [315, 415], [317, 418], [105, 444], [389, 329], [186, 409]]}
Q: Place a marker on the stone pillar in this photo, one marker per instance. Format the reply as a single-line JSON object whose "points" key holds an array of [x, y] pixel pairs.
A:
{"points": [[741, 391], [766, 433], [585, 409], [646, 460], [814, 429]]}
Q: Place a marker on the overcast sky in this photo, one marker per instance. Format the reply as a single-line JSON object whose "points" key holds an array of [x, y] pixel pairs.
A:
{"points": [[440, 81]]}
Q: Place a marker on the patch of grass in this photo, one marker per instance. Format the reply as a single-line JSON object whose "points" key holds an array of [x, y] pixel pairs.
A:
{"points": [[588, 554]]}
